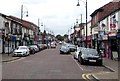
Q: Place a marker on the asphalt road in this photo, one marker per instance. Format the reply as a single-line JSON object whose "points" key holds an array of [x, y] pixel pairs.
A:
{"points": [[48, 64]]}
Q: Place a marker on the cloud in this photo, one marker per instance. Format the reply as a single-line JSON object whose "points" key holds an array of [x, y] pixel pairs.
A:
{"points": [[56, 15], [34, 1]]}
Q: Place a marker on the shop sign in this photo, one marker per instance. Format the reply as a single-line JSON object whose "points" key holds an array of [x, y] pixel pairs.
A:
{"points": [[112, 25], [112, 33], [105, 37], [17, 38]]}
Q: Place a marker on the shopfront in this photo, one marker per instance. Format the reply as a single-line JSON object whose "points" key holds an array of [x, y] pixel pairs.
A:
{"points": [[113, 46], [118, 42], [89, 41]]}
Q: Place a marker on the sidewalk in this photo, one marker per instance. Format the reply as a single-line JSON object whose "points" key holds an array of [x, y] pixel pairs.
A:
{"points": [[6, 58], [112, 65]]}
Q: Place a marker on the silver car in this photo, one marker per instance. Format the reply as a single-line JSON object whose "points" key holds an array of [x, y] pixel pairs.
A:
{"points": [[64, 49]]}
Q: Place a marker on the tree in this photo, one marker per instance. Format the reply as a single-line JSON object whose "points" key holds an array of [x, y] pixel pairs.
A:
{"points": [[59, 37], [65, 36]]}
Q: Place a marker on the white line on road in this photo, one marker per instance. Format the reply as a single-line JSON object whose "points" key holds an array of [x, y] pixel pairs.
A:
{"points": [[78, 64], [16, 60]]}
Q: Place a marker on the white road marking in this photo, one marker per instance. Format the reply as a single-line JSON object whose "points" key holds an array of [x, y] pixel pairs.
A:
{"points": [[83, 76], [87, 76], [78, 64], [16, 60]]}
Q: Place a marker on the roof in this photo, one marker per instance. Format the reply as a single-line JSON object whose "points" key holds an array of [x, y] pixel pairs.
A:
{"points": [[25, 23], [109, 7]]}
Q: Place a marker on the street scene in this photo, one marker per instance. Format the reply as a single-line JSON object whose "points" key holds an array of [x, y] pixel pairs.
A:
{"points": [[60, 40], [49, 64]]}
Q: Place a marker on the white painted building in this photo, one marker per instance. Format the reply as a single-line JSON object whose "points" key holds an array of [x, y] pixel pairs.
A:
{"points": [[1, 31]]}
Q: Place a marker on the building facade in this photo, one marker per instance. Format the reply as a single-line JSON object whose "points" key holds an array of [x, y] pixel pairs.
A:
{"points": [[105, 26]]}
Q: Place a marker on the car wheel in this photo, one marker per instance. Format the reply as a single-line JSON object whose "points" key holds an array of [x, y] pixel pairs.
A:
{"points": [[78, 58], [24, 55], [60, 52], [74, 57], [100, 63], [33, 52], [81, 61]]}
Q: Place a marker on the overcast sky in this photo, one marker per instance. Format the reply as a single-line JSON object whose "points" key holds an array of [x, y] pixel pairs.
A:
{"points": [[56, 15]]}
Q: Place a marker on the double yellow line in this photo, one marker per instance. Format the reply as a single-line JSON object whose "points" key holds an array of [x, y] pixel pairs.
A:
{"points": [[87, 77]]}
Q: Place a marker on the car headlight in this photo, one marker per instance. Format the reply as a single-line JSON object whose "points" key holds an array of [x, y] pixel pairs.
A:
{"points": [[99, 58], [24, 52], [85, 58]]}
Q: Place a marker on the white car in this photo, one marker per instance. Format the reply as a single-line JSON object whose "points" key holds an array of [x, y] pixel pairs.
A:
{"points": [[76, 53], [21, 51], [53, 45]]}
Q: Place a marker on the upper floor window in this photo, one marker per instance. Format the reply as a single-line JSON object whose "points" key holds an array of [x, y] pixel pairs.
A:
{"points": [[113, 22], [95, 19], [14, 28]]}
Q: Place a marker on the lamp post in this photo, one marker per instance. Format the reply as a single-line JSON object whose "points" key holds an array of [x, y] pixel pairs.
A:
{"points": [[22, 13], [86, 17], [3, 41]]}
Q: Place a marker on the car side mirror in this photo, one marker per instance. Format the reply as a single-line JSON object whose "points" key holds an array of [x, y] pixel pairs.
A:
{"points": [[76, 49], [80, 53]]}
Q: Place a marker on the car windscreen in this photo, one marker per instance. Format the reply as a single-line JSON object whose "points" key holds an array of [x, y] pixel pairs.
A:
{"points": [[33, 46], [89, 52], [22, 48]]}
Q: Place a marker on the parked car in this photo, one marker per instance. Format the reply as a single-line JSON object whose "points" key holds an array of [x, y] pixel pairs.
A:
{"points": [[72, 47], [76, 53], [53, 45], [35, 47], [89, 56], [45, 46], [64, 49], [32, 50], [60, 42], [21, 51]]}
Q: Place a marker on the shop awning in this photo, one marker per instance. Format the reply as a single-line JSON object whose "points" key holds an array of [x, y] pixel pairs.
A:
{"points": [[112, 37]]}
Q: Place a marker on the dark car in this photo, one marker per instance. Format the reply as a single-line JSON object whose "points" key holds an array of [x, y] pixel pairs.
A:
{"points": [[36, 47], [89, 56], [32, 50]]}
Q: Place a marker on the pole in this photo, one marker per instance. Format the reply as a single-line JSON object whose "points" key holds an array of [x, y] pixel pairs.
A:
{"points": [[38, 22], [21, 22], [3, 42], [86, 23], [8, 44]]}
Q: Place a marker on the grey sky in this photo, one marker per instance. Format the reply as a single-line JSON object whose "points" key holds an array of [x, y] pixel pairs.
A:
{"points": [[57, 15]]}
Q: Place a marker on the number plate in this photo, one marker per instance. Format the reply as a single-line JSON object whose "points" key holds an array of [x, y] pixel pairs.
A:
{"points": [[92, 60]]}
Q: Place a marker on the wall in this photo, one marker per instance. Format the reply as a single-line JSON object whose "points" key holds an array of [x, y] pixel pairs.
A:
{"points": [[1, 22], [0, 45], [119, 19]]}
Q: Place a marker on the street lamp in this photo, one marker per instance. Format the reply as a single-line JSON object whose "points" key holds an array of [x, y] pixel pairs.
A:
{"points": [[22, 13], [3, 41], [86, 17]]}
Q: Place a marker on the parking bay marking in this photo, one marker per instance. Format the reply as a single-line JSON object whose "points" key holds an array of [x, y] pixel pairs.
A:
{"points": [[78, 64], [16, 60]]}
